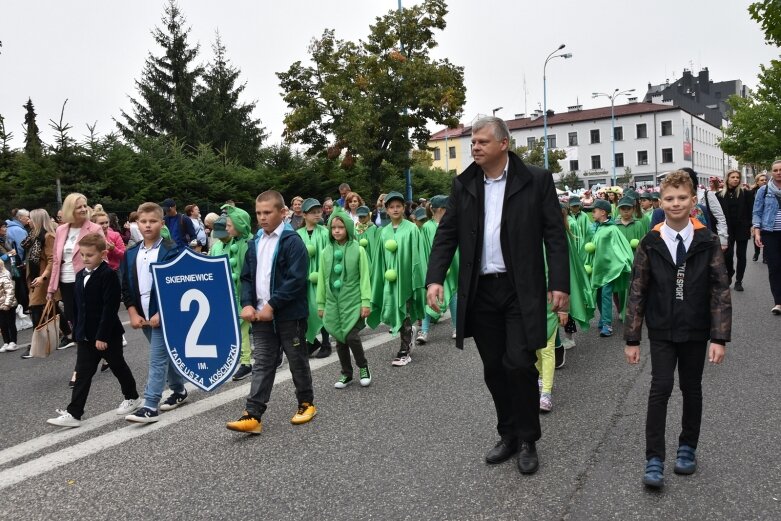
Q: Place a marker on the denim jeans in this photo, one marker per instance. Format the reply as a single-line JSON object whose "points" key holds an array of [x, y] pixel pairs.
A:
{"points": [[269, 340], [160, 368], [452, 306]]}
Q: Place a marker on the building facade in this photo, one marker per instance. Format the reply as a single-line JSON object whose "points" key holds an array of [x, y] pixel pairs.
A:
{"points": [[650, 139]]}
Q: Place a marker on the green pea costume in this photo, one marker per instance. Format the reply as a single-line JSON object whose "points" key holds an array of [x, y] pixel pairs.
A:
{"points": [[236, 250], [344, 286], [581, 297], [367, 234], [611, 260], [634, 229], [583, 225], [398, 277], [315, 243], [427, 233]]}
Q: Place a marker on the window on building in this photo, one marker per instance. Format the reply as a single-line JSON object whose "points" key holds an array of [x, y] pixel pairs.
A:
{"points": [[642, 157], [552, 141], [667, 155], [530, 141], [619, 159], [595, 136], [452, 152], [667, 128], [618, 134], [573, 165], [642, 131], [573, 139], [596, 162], [594, 182]]}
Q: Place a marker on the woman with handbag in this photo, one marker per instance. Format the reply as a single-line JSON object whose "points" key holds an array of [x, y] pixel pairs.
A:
{"points": [[39, 246], [66, 260]]}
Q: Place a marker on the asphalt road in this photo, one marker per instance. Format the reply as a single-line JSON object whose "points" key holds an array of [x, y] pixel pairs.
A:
{"points": [[411, 446]]}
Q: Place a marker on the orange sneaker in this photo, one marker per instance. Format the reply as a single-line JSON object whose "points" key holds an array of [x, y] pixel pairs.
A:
{"points": [[246, 423], [306, 411]]}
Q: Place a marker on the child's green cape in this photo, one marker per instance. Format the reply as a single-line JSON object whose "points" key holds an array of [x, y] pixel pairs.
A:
{"points": [[342, 291], [636, 229], [581, 296], [314, 246], [398, 277], [427, 233], [236, 249], [611, 261]]}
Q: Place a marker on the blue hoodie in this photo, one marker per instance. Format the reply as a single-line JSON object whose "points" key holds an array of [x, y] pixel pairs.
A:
{"points": [[16, 234]]}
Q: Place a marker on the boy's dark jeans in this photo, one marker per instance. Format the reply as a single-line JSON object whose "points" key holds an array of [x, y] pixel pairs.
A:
{"points": [[352, 343], [87, 361], [269, 340], [690, 358]]}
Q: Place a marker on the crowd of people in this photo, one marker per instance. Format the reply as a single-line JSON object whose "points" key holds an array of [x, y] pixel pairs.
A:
{"points": [[314, 271]]}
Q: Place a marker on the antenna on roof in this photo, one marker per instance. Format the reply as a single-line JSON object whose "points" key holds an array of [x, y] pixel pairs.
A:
{"points": [[525, 93]]}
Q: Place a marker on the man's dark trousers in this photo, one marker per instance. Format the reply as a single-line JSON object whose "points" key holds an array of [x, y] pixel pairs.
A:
{"points": [[508, 362]]}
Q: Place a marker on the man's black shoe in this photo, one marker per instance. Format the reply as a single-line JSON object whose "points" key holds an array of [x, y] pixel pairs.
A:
{"points": [[503, 451], [738, 286], [243, 371], [527, 458]]}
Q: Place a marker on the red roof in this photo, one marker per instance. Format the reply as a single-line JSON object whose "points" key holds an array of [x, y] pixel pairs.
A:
{"points": [[630, 109]]}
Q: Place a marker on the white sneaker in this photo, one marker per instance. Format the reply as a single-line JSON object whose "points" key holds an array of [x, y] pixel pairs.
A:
{"points": [[567, 343], [422, 338], [12, 347], [455, 335], [64, 420], [401, 360], [124, 341], [4, 348], [128, 406], [776, 310]]}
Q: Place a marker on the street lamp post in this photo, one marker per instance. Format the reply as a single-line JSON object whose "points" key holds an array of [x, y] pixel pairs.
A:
{"points": [[497, 109], [407, 172], [612, 97], [545, 97]]}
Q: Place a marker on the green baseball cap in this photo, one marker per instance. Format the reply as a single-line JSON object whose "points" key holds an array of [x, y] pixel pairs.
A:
{"points": [[394, 196], [603, 205], [310, 203]]}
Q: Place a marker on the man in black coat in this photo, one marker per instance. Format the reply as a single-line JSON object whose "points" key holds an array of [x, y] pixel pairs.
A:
{"points": [[499, 215]]}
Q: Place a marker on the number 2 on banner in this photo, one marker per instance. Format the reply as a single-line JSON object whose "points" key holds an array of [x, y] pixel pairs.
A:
{"points": [[192, 349]]}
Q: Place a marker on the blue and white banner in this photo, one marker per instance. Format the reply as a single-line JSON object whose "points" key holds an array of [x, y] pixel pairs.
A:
{"points": [[198, 316]]}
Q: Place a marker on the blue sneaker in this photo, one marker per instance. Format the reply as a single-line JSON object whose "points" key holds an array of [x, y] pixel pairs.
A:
{"points": [[654, 473], [143, 415], [173, 401], [606, 331], [686, 461]]}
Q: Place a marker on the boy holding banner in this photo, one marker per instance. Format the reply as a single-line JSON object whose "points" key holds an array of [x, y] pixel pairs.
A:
{"points": [[140, 298]]}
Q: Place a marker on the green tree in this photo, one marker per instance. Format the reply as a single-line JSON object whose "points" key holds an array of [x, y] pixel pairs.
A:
{"points": [[626, 178], [753, 135], [370, 100], [33, 146], [768, 14], [569, 181], [167, 86], [536, 156], [225, 122]]}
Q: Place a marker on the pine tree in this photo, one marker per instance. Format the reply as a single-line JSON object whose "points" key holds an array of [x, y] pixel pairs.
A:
{"points": [[167, 86], [33, 147], [225, 122]]}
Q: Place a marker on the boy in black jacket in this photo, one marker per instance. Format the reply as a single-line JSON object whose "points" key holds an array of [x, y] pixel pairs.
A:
{"points": [[98, 331], [274, 300], [679, 284]]}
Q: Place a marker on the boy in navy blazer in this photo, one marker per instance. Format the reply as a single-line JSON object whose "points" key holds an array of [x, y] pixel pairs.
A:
{"points": [[97, 331]]}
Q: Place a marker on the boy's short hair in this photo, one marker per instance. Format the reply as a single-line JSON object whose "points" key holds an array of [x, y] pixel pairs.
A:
{"points": [[273, 196], [678, 179], [150, 208], [94, 240]]}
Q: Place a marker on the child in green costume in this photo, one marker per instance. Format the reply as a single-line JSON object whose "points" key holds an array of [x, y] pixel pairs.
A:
{"points": [[220, 236], [609, 258], [584, 225], [629, 224], [238, 230], [366, 232], [427, 232], [315, 237], [647, 207], [344, 294], [398, 278]]}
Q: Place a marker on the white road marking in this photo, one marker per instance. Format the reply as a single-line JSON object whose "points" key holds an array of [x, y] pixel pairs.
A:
{"points": [[53, 460]]}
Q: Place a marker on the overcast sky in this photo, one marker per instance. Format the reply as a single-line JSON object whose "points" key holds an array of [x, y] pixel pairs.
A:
{"points": [[91, 51]]}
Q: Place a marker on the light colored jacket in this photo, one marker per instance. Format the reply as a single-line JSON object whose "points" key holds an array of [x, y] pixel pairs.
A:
{"points": [[59, 244], [7, 294], [765, 210]]}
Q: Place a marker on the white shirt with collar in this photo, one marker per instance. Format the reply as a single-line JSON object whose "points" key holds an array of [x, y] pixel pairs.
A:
{"points": [[492, 260], [88, 273], [670, 240], [146, 256], [267, 245]]}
